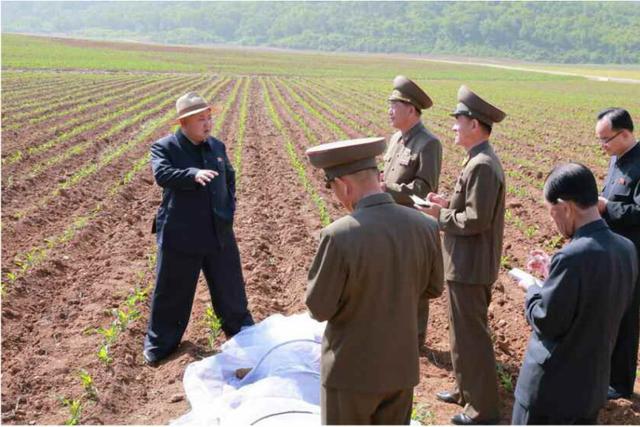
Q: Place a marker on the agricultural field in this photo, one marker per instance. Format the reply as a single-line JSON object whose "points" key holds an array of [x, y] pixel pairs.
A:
{"points": [[78, 200]]}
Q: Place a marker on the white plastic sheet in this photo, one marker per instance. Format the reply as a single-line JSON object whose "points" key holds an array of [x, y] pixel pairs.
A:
{"points": [[282, 388]]}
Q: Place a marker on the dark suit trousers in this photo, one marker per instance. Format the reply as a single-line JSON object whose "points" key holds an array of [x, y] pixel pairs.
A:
{"points": [[340, 407], [176, 279], [474, 363], [523, 416], [625, 353]]}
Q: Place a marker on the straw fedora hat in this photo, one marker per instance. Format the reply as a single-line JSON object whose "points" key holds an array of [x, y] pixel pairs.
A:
{"points": [[191, 103]]}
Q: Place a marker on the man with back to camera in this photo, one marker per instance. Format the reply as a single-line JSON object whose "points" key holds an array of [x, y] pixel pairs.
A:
{"points": [[473, 225], [194, 231], [372, 269], [413, 160], [619, 206], [576, 313]]}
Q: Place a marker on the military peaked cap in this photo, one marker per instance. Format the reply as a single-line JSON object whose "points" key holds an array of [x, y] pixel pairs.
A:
{"points": [[346, 157], [471, 105], [407, 91]]}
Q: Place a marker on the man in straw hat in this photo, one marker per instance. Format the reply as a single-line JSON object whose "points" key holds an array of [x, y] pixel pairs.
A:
{"points": [[473, 223], [371, 270], [194, 231]]}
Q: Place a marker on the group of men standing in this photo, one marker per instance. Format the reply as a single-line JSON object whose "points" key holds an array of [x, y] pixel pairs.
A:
{"points": [[376, 268]]}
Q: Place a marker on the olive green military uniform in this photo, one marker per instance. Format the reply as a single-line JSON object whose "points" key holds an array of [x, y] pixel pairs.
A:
{"points": [[473, 226], [412, 163], [370, 271]]}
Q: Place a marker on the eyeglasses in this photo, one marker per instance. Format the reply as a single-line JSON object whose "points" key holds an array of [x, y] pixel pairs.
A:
{"points": [[611, 138]]}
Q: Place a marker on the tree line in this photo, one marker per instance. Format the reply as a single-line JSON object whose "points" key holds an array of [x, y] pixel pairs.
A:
{"points": [[565, 32]]}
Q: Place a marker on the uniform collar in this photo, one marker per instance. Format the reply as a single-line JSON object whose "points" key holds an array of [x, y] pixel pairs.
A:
{"points": [[413, 131], [590, 228], [373, 200], [483, 146], [632, 154]]}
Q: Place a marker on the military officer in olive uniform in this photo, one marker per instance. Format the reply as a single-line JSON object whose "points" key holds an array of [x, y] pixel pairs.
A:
{"points": [[371, 270], [414, 157], [620, 207], [473, 223]]}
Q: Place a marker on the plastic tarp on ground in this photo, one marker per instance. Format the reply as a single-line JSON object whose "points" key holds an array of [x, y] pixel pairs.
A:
{"points": [[283, 386]]}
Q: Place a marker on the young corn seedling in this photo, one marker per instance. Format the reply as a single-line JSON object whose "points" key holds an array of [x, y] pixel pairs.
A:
{"points": [[213, 326], [124, 317], [110, 334], [103, 355], [422, 414], [75, 410], [505, 378], [88, 385]]}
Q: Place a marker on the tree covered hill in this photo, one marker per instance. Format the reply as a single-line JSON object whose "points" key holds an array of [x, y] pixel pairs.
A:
{"points": [[567, 32]]}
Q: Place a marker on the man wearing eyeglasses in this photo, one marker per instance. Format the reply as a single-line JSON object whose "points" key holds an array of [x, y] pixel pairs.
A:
{"points": [[619, 205]]}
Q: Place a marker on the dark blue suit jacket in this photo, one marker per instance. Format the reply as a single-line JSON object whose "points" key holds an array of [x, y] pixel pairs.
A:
{"points": [[622, 188], [192, 218], [575, 317]]}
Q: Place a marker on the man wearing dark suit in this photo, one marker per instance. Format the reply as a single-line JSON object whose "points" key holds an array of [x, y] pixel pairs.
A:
{"points": [[620, 207], [576, 313], [194, 228], [372, 272]]}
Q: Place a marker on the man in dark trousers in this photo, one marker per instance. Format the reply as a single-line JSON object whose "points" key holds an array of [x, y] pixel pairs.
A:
{"points": [[576, 313], [473, 224], [620, 207], [194, 228], [372, 269]]}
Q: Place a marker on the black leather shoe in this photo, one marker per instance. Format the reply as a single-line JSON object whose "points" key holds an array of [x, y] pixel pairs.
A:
{"points": [[613, 394], [463, 420], [149, 358], [448, 397]]}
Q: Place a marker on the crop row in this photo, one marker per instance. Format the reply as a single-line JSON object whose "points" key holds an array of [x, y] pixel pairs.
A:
{"points": [[75, 127], [158, 99], [25, 261], [60, 98], [82, 102], [295, 161]]}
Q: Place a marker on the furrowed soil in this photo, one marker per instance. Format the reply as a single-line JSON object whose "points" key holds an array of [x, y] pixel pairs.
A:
{"points": [[50, 312]]}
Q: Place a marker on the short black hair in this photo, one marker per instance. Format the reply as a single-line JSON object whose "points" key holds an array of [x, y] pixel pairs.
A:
{"points": [[571, 182], [486, 127], [619, 117]]}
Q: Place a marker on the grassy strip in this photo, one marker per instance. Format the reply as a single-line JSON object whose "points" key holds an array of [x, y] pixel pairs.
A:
{"points": [[242, 120], [295, 161]]}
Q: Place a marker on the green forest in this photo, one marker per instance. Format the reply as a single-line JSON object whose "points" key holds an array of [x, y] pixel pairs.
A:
{"points": [[561, 32]]}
